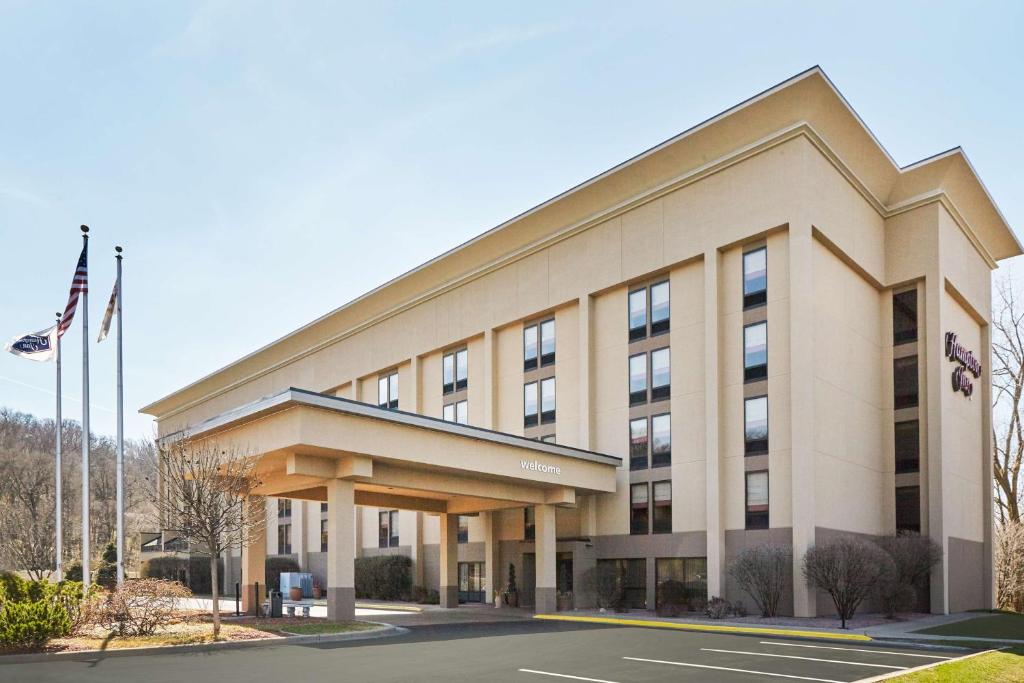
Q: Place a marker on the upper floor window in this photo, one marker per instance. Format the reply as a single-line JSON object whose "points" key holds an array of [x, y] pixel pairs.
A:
{"points": [[547, 342], [662, 519], [547, 400], [463, 536], [387, 391], [755, 277], [908, 445], [530, 417], [457, 412], [661, 374], [639, 509], [637, 314], [755, 352], [284, 507], [904, 317], [539, 409], [755, 425], [529, 524], [661, 440], [904, 382], [323, 507], [456, 371], [387, 529], [323, 535], [638, 378], [757, 500], [284, 539], [649, 311], [638, 444], [539, 345]]}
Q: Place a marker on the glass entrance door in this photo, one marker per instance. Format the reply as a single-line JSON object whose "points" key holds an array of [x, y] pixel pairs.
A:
{"points": [[471, 582]]}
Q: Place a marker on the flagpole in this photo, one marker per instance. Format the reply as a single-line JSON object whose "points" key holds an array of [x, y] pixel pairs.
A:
{"points": [[120, 432], [59, 489], [86, 575]]}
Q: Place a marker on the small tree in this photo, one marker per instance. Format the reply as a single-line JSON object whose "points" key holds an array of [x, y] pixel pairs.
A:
{"points": [[1009, 560], [206, 492], [139, 607], [763, 572], [848, 569], [913, 557]]}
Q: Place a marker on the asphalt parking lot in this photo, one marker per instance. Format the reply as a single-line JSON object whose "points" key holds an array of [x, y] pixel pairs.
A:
{"points": [[522, 651]]}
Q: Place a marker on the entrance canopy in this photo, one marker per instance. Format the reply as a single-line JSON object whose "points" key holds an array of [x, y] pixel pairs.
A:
{"points": [[401, 460]]}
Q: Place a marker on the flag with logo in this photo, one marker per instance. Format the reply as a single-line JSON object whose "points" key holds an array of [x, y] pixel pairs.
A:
{"points": [[41, 346], [108, 315]]}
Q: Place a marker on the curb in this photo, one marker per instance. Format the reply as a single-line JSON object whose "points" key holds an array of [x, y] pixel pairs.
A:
{"points": [[383, 631], [395, 608], [710, 628]]}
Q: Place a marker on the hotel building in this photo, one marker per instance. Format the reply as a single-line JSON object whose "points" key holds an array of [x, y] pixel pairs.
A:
{"points": [[761, 330]]}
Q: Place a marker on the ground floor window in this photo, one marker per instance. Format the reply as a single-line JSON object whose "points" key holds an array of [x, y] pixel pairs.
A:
{"points": [[563, 573], [387, 529], [630, 578], [680, 582], [908, 508], [471, 582], [463, 529]]}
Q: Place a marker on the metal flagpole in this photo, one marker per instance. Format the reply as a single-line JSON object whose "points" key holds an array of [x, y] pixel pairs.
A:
{"points": [[86, 576], [59, 490], [120, 433]]}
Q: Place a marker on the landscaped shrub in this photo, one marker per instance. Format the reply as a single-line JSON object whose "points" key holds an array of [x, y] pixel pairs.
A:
{"points": [[275, 566], [608, 586], [106, 573], [673, 598], [763, 573], [73, 571], [717, 608], [33, 612], [913, 557], [195, 570], [384, 577], [848, 568], [140, 607]]}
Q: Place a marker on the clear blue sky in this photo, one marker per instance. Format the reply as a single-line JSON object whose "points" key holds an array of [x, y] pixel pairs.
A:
{"points": [[265, 163]]}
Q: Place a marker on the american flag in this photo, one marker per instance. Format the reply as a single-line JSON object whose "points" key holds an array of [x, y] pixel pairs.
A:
{"points": [[79, 285]]}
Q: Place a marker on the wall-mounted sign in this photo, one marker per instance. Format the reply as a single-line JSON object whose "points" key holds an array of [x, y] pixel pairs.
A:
{"points": [[534, 466], [966, 363]]}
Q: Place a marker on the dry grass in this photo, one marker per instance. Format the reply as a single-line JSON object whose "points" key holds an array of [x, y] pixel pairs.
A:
{"points": [[181, 633]]}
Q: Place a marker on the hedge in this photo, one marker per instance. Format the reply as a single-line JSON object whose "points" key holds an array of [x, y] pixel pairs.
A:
{"points": [[197, 571], [384, 577], [33, 612]]}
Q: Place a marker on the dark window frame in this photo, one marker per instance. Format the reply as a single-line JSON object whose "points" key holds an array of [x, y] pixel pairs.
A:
{"points": [[901, 334], [547, 416], [914, 524], [531, 420], [284, 508], [907, 462], [659, 327], [547, 359], [755, 373], [664, 391], [637, 333], [756, 446], [636, 461], [756, 519], [284, 539], [757, 297], [638, 397], [639, 513], [392, 398], [660, 459], [658, 523], [529, 524], [463, 529], [901, 396]]}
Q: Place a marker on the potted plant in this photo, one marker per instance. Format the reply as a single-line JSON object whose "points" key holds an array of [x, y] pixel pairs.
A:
{"points": [[318, 590], [511, 590], [295, 593], [564, 601]]}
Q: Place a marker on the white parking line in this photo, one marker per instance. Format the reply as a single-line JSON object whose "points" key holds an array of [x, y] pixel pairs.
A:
{"points": [[575, 678], [807, 659], [726, 668], [854, 649]]}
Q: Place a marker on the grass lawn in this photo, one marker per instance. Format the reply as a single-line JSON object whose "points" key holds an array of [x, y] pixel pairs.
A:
{"points": [[994, 667], [998, 625]]}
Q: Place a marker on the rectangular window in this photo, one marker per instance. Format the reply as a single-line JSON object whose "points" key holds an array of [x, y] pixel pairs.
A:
{"points": [[530, 417], [904, 317], [755, 425], [529, 524], [387, 529], [463, 529], [323, 507], [638, 379], [462, 412], [639, 509], [530, 358], [755, 352], [638, 444], [547, 400], [637, 314], [449, 413], [662, 521], [908, 446], [659, 308], [908, 508], [661, 440], [661, 374], [461, 369], [755, 277], [757, 500], [904, 382], [284, 539], [689, 573], [387, 391], [448, 373], [547, 342], [323, 535], [548, 438], [630, 580], [284, 507]]}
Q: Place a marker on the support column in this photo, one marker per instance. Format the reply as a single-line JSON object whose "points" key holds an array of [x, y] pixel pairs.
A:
{"points": [[931, 367], [713, 461], [341, 592], [585, 371], [300, 533], [449, 584], [544, 546], [492, 568], [490, 363], [357, 528], [414, 538], [254, 562]]}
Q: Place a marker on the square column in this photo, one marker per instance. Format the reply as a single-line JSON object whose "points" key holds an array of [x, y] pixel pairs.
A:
{"points": [[449, 584], [713, 461], [254, 561], [341, 592], [492, 572], [413, 537], [544, 547]]}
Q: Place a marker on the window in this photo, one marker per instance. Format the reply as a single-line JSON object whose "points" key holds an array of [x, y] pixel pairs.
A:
{"points": [[323, 507], [639, 509], [755, 352], [387, 529], [530, 357], [284, 539], [755, 277], [323, 535], [661, 374], [463, 529], [530, 417], [661, 440], [461, 369], [638, 444], [757, 500], [529, 524], [387, 391], [637, 314], [755, 425], [547, 400], [662, 522], [448, 373], [904, 317], [449, 413], [547, 342], [659, 308], [691, 572], [630, 579], [457, 412], [907, 446], [904, 382], [284, 507], [548, 438], [638, 379], [908, 508]]}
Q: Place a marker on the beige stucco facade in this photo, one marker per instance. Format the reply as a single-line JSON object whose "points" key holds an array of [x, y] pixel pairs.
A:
{"points": [[793, 170]]}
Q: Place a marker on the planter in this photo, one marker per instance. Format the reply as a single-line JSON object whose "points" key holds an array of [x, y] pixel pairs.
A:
{"points": [[295, 593], [318, 592], [512, 599], [565, 603]]}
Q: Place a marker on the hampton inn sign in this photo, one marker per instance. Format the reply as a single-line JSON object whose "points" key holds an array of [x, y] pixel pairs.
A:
{"points": [[966, 363]]}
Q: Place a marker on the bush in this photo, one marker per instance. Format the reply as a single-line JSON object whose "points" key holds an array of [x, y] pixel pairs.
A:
{"points": [[673, 598], [913, 557], [73, 572], [384, 577], [848, 568], [195, 569], [717, 608], [763, 572], [33, 612], [106, 573], [140, 607], [275, 566], [608, 586]]}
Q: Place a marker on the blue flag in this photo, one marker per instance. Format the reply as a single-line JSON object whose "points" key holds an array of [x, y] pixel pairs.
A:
{"points": [[41, 346]]}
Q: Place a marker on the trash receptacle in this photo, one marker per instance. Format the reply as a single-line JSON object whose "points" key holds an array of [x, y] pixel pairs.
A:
{"points": [[275, 604]]}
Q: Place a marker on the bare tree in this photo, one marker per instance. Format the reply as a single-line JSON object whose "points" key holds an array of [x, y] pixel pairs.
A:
{"points": [[1009, 560], [207, 490], [913, 557], [1007, 392], [27, 528], [763, 573], [848, 569]]}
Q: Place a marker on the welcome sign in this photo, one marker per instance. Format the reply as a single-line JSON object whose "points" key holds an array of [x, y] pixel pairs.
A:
{"points": [[966, 363], [535, 466]]}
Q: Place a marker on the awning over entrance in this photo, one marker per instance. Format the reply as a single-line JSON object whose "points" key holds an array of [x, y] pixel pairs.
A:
{"points": [[401, 460]]}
